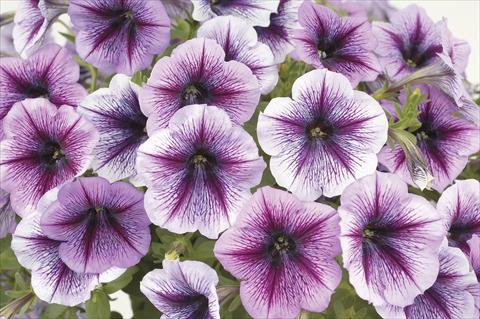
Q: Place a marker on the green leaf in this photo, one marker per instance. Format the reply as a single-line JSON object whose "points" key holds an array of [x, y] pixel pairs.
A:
{"points": [[16, 293], [121, 281], [20, 282], [181, 30], [54, 311], [8, 260], [234, 304], [98, 307], [68, 36], [203, 249]]}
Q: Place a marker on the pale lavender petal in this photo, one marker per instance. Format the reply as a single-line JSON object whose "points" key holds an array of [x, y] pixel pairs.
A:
{"points": [[7, 215]]}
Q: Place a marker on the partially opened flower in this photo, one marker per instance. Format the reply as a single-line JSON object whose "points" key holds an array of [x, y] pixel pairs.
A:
{"points": [[199, 171], [50, 73], [282, 250], [324, 138], [197, 73], [340, 44], [278, 34], [33, 19], [254, 12], [183, 290], [119, 36], [7, 215], [115, 112], [52, 280], [239, 41], [178, 8], [44, 146], [444, 139], [390, 240], [460, 207], [100, 225], [411, 41], [449, 296]]}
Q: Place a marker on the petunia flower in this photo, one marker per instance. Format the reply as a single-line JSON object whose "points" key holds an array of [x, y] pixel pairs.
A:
{"points": [[7, 215], [458, 50], [447, 298], [444, 139], [254, 12], [52, 280], [119, 36], [178, 8], [196, 73], [282, 250], [239, 41], [43, 148], [459, 205], [33, 20], [390, 240], [115, 112], [340, 44], [474, 257], [277, 35], [183, 290], [199, 171], [100, 225], [324, 138], [378, 10], [50, 73]]}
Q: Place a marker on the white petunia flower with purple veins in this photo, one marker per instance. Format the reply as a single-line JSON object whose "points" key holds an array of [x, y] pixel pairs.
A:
{"points": [[183, 290], [196, 73], [177, 8], [52, 280], [390, 240], [324, 138], [340, 44], [283, 252], [100, 225], [199, 171], [44, 146], [277, 35], [459, 205], [50, 73], [115, 112], [7, 215], [254, 12], [445, 140], [33, 20], [119, 36], [447, 298], [239, 41]]}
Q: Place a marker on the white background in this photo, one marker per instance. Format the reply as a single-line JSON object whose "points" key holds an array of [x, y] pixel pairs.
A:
{"points": [[463, 21]]}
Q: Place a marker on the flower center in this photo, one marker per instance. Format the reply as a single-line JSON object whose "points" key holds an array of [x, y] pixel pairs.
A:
{"points": [[194, 93], [317, 133], [280, 246], [36, 89], [50, 154], [459, 233], [202, 159], [318, 130], [325, 49], [413, 57], [425, 133]]}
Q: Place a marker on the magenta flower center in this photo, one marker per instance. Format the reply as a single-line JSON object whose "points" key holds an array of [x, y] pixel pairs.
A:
{"points": [[194, 93], [280, 246], [50, 154]]}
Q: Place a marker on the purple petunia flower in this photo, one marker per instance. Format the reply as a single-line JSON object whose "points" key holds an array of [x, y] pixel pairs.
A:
{"points": [[447, 298], [100, 225], [277, 35], [390, 240], [282, 250], [183, 290], [239, 41], [119, 36], [444, 139], [379, 10], [458, 50], [52, 280], [340, 44], [197, 73], [460, 207], [43, 148], [254, 12], [7, 215], [33, 19], [324, 138], [115, 112], [199, 171], [50, 73], [178, 8]]}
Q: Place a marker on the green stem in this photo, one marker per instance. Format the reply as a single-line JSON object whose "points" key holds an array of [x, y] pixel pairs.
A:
{"points": [[94, 72]]}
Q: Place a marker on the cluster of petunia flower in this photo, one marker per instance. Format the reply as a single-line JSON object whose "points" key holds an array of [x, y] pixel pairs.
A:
{"points": [[381, 113]]}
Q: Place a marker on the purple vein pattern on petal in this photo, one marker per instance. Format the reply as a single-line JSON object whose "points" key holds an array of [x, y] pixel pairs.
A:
{"points": [[183, 290], [199, 171], [324, 138], [282, 250], [196, 73], [115, 112], [239, 41], [390, 240], [100, 225], [119, 36], [44, 147]]}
